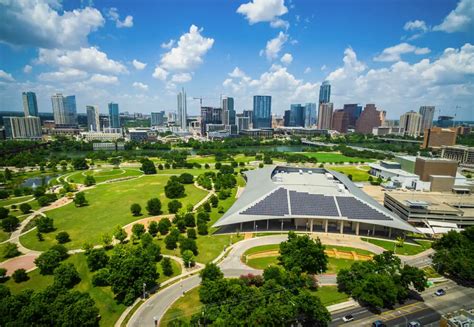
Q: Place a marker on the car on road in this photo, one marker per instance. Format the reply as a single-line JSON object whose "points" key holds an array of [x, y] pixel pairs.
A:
{"points": [[414, 323], [348, 318], [440, 292], [378, 323]]}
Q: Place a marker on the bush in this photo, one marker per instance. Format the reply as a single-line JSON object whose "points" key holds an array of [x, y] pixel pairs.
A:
{"points": [[63, 237], [101, 277], [10, 250], [20, 275], [167, 267], [136, 209], [25, 208], [174, 206], [44, 224], [153, 206]]}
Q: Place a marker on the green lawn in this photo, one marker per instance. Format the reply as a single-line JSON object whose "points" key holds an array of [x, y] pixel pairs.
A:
{"points": [[176, 271], [406, 249], [3, 246], [430, 272], [109, 206], [179, 171], [10, 201], [103, 174], [4, 235], [358, 174], [183, 308], [332, 157], [276, 247], [348, 249], [329, 295]]}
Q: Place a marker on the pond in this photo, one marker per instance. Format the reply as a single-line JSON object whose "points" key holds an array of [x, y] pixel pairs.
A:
{"points": [[34, 182]]}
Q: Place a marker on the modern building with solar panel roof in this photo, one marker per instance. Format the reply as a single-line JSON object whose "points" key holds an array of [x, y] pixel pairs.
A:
{"points": [[308, 199]]}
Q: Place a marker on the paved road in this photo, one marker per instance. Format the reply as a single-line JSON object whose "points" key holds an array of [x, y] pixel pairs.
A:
{"points": [[428, 312]]}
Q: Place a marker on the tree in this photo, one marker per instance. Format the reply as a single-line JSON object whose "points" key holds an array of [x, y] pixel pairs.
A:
{"points": [[48, 261], [211, 272], [188, 244], [20, 275], [186, 178], [3, 276], [136, 209], [191, 233], [174, 206], [10, 223], [160, 167], [66, 275], [214, 201], [89, 180], [153, 228], [174, 189], [10, 250], [166, 266], [153, 206], [101, 277], [80, 164], [171, 242], [80, 199], [303, 253], [25, 208], [44, 224], [8, 174], [189, 219], [202, 228], [164, 226], [207, 207], [138, 230], [148, 167], [4, 212], [188, 258], [63, 237], [120, 234], [107, 240], [97, 259]]}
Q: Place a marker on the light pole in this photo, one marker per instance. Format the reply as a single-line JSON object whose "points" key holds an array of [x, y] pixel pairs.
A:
{"points": [[256, 230], [282, 226], [144, 287]]}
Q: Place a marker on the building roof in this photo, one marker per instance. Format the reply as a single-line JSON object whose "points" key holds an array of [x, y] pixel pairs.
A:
{"points": [[396, 171], [277, 192]]}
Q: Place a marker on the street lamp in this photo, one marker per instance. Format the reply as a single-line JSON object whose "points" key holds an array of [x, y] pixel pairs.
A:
{"points": [[282, 226], [256, 230], [144, 287]]}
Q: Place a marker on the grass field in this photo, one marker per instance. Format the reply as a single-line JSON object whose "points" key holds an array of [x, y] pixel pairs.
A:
{"points": [[359, 174], [103, 174], [2, 249], [109, 206], [183, 308], [332, 157], [276, 247], [329, 295], [176, 271], [406, 249], [10, 201], [4, 236]]}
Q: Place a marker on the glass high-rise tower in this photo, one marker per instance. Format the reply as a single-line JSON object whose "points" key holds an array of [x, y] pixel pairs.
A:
{"points": [[93, 123], [30, 106], [325, 92], [262, 111], [114, 115], [64, 110], [182, 110]]}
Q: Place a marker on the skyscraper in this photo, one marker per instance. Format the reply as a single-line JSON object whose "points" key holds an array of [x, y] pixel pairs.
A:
{"points": [[114, 115], [249, 114], [182, 110], [310, 117], [427, 115], [93, 123], [210, 115], [157, 118], [262, 111], [369, 118], [228, 111], [353, 110], [297, 115], [325, 92], [22, 127], [30, 106], [64, 110], [411, 123], [340, 121], [325, 115]]}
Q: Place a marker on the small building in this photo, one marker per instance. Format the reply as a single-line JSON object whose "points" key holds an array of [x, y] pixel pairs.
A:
{"points": [[399, 177], [258, 132], [425, 167], [407, 163], [460, 318], [460, 153], [436, 137], [108, 146]]}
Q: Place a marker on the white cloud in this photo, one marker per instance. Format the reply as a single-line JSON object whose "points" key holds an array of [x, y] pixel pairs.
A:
{"points": [[257, 11], [307, 70], [103, 79], [87, 59], [274, 46], [287, 58], [416, 25], [27, 69], [38, 23], [114, 16], [6, 76], [187, 55], [63, 75], [138, 65], [168, 45], [323, 68], [160, 73], [394, 53], [140, 86], [460, 19], [181, 78]]}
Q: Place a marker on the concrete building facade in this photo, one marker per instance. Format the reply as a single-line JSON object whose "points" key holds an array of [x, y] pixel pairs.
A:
{"points": [[425, 167], [369, 119], [436, 137], [325, 115], [411, 123], [28, 128]]}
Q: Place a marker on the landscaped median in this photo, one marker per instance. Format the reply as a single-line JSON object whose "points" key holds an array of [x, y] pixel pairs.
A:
{"points": [[401, 247]]}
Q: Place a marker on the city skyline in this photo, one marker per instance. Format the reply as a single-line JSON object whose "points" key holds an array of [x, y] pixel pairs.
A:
{"points": [[416, 58]]}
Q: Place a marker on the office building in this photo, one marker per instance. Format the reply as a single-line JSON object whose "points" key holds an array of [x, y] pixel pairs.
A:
{"points": [[388, 130], [297, 115], [411, 123], [262, 111], [93, 122], [182, 110], [114, 115], [310, 117], [462, 154], [399, 178], [30, 105], [210, 115], [369, 119], [64, 110], [157, 118], [28, 128], [436, 137], [445, 121], [426, 167], [242, 122], [427, 114], [257, 132], [325, 92], [353, 111], [172, 117], [340, 121], [228, 111], [325, 115]]}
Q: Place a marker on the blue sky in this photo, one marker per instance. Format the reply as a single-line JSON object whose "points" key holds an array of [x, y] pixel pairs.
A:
{"points": [[396, 54]]}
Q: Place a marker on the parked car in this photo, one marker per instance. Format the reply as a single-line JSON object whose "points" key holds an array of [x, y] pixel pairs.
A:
{"points": [[348, 318], [414, 323], [378, 323], [440, 292]]}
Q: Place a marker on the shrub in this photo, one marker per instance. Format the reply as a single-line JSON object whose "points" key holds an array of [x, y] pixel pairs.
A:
{"points": [[25, 208], [174, 206], [20, 275], [191, 233], [153, 206], [63, 237], [167, 267], [186, 178], [136, 209]]}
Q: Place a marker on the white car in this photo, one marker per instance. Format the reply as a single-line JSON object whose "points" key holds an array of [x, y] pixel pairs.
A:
{"points": [[348, 318]]}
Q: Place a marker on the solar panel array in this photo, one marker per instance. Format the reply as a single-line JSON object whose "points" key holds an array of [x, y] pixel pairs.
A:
{"points": [[355, 209], [274, 204], [303, 203]]}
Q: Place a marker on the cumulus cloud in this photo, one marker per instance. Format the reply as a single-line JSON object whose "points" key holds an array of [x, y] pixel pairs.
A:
{"points": [[257, 11], [160, 73], [38, 23], [287, 58], [394, 53], [307, 70], [415, 25], [168, 45], [458, 20], [114, 16], [103, 79], [87, 59], [63, 75], [27, 69], [181, 78], [274, 46], [140, 86], [138, 65], [6, 76]]}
